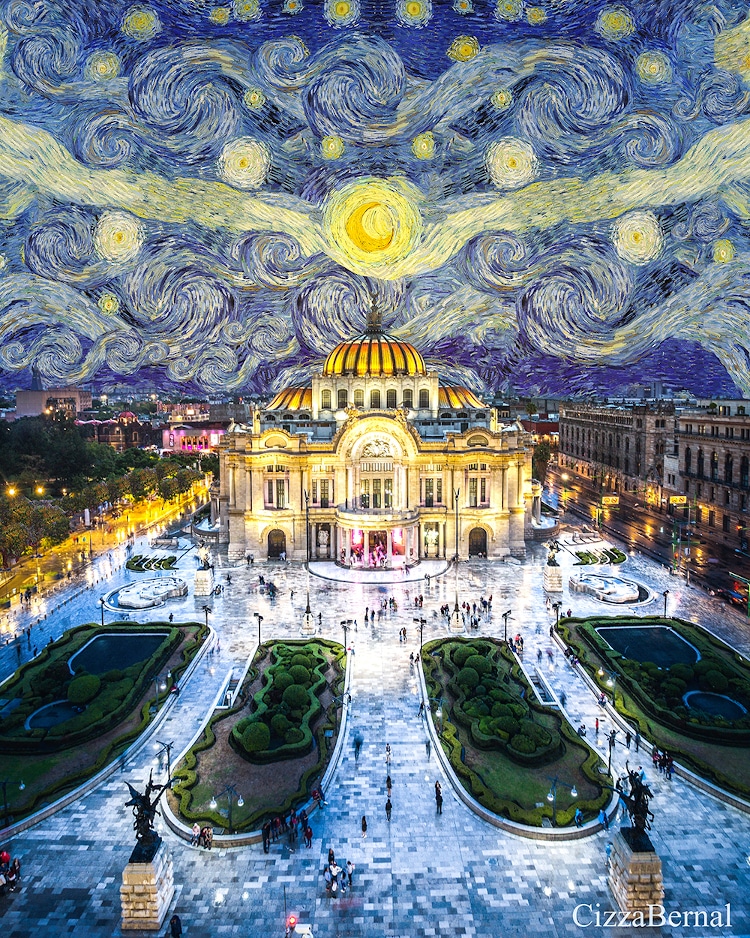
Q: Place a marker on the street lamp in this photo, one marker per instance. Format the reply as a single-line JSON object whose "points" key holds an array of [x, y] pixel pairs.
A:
{"points": [[162, 686], [166, 747], [564, 477], [665, 594], [422, 622], [611, 741], [345, 626], [456, 493], [307, 522], [233, 793], [101, 603], [552, 794], [505, 617], [557, 607], [259, 617], [206, 610]]}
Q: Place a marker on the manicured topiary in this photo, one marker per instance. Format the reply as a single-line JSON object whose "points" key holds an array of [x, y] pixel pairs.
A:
{"points": [[461, 653], [299, 674], [293, 735], [256, 737], [468, 678], [508, 725], [523, 744], [480, 665], [296, 697], [280, 724], [713, 681], [304, 660], [682, 671], [83, 689], [282, 680]]}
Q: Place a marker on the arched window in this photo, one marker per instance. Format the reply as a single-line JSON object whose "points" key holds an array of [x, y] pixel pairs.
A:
{"points": [[390, 397], [359, 398], [424, 399], [701, 465], [342, 398], [375, 400], [408, 397], [627, 444], [728, 469], [688, 460], [744, 472], [325, 399], [714, 466]]}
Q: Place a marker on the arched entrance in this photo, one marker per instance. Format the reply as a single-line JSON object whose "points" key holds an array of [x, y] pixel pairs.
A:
{"points": [[276, 544], [477, 542]]}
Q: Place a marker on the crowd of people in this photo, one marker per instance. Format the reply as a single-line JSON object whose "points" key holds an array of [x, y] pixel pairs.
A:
{"points": [[10, 873]]}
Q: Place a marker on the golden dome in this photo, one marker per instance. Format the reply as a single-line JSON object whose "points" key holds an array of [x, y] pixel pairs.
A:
{"points": [[376, 354]]}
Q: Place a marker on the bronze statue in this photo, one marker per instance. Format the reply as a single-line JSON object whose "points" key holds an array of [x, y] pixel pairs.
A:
{"points": [[144, 812], [636, 801]]}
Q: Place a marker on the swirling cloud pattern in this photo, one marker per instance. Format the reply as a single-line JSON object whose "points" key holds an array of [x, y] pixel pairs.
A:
{"points": [[553, 198]]}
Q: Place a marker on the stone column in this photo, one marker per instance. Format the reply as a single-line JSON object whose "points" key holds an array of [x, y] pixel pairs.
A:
{"points": [[146, 892], [389, 548], [635, 876]]}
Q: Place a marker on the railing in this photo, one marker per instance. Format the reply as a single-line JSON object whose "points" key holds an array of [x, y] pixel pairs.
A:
{"points": [[357, 512]]}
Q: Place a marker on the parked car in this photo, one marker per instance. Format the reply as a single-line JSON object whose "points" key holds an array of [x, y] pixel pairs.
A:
{"points": [[733, 598]]}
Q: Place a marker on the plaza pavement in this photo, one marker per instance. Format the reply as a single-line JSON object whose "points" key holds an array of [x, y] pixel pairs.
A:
{"points": [[420, 875]]}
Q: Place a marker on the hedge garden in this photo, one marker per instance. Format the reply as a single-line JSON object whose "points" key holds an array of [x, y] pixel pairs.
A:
{"points": [[115, 708], [286, 713], [651, 698], [145, 563], [607, 555], [504, 745]]}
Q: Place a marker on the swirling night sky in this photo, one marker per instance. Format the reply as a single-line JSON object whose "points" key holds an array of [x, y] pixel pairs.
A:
{"points": [[204, 196]]}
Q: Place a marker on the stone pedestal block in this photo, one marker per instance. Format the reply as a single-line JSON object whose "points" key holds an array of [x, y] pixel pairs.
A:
{"points": [[146, 892], [635, 876], [308, 624], [553, 581], [204, 582]]}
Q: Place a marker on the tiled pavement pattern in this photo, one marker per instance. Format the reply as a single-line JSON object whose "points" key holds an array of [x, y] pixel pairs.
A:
{"points": [[420, 874]]}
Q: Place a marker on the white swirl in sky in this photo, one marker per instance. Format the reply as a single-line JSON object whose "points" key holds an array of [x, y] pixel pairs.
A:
{"points": [[283, 64], [271, 335], [329, 308], [103, 66], [649, 139], [497, 261], [574, 95], [119, 236], [174, 292], [637, 237], [182, 102], [47, 61], [360, 84], [576, 301], [273, 260], [703, 221], [23, 15], [653, 68], [244, 163], [720, 96], [105, 140], [61, 246], [511, 163]]}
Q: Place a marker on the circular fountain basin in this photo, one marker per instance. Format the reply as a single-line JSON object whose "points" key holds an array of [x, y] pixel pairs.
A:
{"points": [[716, 705], [608, 588], [147, 593], [52, 714]]}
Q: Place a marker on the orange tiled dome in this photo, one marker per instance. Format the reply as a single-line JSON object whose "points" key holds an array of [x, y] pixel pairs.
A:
{"points": [[374, 353]]}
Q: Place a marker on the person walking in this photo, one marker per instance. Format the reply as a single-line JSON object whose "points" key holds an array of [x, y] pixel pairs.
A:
{"points": [[175, 926], [308, 836], [637, 740], [349, 872], [627, 739], [364, 827], [428, 747], [388, 784], [387, 753], [439, 801], [388, 808], [603, 819]]}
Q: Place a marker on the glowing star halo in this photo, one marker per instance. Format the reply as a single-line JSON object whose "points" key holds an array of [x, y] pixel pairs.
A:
{"points": [[244, 163], [118, 236], [511, 163], [141, 23], [637, 237], [372, 224]]}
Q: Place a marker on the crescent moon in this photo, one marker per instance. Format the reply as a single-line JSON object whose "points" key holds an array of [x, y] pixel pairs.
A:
{"points": [[358, 233]]}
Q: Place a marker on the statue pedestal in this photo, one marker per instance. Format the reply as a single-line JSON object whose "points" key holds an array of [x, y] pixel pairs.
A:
{"points": [[553, 580], [635, 876], [204, 582], [308, 624], [146, 892]]}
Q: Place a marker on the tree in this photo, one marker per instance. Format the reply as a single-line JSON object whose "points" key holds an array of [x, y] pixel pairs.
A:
{"points": [[540, 460]]}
